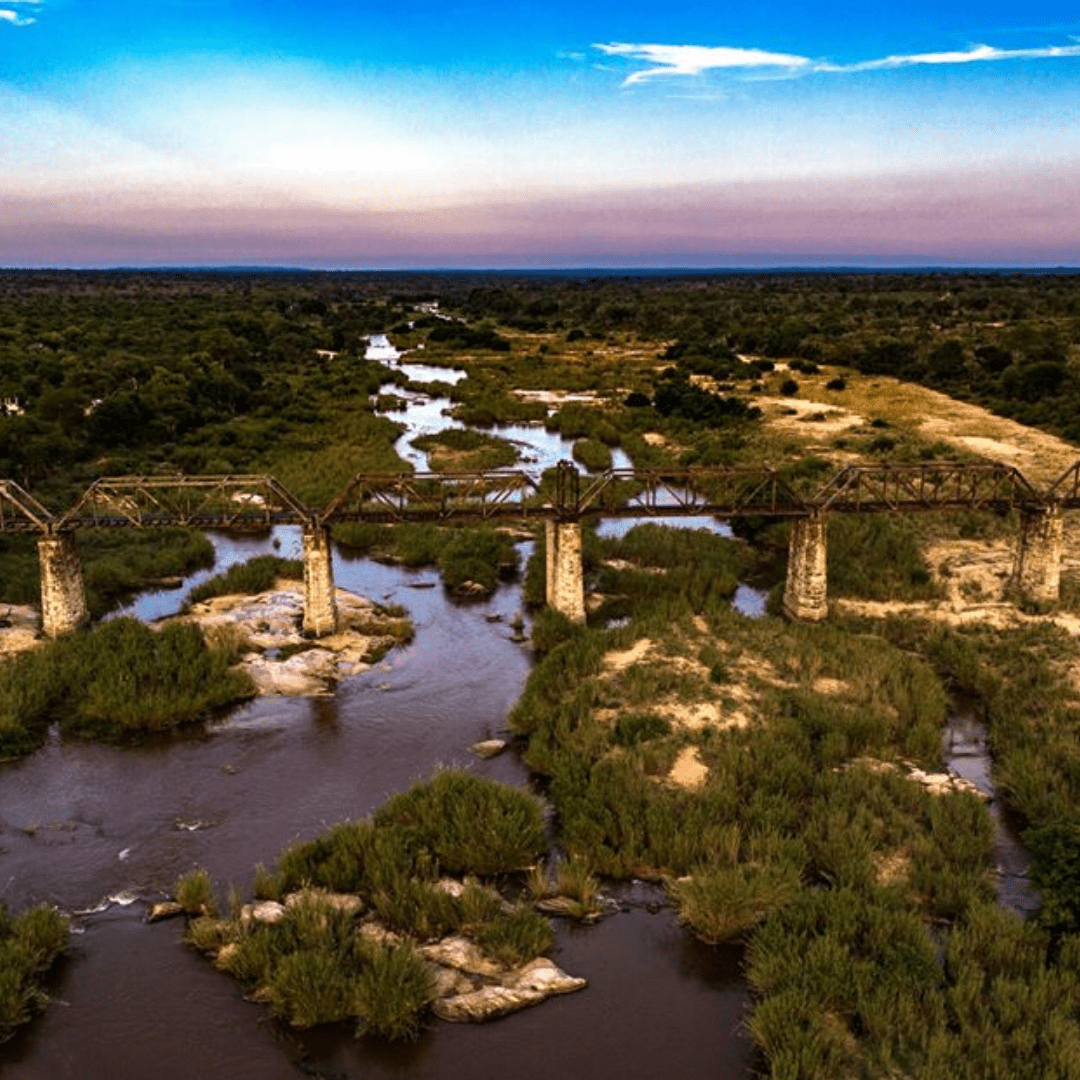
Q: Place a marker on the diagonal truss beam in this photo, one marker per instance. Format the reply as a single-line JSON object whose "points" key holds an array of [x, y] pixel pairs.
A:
{"points": [[928, 486], [21, 512], [1065, 491], [429, 496], [199, 501]]}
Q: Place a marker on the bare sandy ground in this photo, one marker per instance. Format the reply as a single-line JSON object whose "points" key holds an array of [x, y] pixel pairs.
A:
{"points": [[817, 413]]}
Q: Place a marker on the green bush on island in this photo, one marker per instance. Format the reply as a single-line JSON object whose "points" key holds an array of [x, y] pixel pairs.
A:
{"points": [[464, 450], [29, 945], [247, 578], [593, 454], [318, 965], [117, 680], [481, 555]]}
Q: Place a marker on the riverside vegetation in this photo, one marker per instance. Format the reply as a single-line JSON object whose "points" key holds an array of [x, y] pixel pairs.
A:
{"points": [[29, 945], [865, 902]]}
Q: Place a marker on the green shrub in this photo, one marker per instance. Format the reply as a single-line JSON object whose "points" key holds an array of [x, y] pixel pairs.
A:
{"points": [[247, 578], [392, 993], [723, 902], [123, 678], [195, 892], [636, 727], [309, 987], [29, 945], [516, 936], [593, 454], [468, 824]]}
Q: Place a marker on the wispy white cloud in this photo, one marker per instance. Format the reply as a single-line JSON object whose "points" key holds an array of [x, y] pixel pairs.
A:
{"points": [[699, 59], [13, 18]]}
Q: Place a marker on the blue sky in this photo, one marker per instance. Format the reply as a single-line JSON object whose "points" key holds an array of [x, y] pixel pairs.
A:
{"points": [[599, 133]]}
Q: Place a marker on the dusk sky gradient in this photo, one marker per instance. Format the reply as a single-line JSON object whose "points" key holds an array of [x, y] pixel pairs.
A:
{"points": [[602, 133]]}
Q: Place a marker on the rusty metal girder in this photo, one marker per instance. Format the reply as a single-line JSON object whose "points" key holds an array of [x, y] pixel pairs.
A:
{"points": [[21, 512], [714, 490], [431, 496], [928, 486], [199, 501], [260, 500], [1065, 490]]}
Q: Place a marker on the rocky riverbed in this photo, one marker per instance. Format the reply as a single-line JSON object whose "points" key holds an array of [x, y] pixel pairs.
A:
{"points": [[265, 628]]}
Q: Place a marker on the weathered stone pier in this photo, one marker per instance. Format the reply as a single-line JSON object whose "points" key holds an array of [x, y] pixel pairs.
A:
{"points": [[565, 580], [1037, 567], [806, 586], [320, 601], [63, 598]]}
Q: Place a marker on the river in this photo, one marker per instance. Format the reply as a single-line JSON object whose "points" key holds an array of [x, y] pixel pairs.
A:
{"points": [[100, 831]]}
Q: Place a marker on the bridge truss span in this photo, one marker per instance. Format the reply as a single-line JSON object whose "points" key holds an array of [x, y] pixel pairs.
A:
{"points": [[717, 490], [927, 486], [222, 502], [444, 496]]}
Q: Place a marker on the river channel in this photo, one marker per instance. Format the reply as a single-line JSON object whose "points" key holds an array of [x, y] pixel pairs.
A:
{"points": [[101, 830]]}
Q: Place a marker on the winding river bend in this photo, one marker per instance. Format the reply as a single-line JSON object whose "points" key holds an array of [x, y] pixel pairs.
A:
{"points": [[101, 830]]}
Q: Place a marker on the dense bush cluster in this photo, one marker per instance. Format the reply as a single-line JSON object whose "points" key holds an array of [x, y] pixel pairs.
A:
{"points": [[29, 945], [118, 680], [318, 965]]}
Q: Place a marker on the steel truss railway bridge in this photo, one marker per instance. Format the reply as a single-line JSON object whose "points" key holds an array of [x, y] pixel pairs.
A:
{"points": [[561, 498]]}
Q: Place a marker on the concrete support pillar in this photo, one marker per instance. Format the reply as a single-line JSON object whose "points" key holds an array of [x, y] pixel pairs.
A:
{"points": [[1037, 567], [806, 588], [565, 576], [63, 600], [320, 603]]}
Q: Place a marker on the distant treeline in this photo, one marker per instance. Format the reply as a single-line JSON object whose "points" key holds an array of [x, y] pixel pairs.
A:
{"points": [[202, 371]]}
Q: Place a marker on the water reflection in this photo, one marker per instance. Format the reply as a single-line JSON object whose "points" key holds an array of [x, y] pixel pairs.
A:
{"points": [[967, 753]]}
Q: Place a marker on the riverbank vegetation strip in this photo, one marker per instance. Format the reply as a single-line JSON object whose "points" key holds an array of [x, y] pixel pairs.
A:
{"points": [[865, 896], [30, 943], [117, 681]]}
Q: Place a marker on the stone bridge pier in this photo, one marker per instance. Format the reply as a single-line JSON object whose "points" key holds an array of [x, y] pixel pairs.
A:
{"points": [[565, 578], [806, 586], [1037, 564], [320, 600], [63, 599]]}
